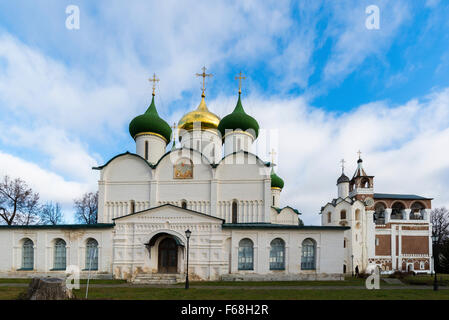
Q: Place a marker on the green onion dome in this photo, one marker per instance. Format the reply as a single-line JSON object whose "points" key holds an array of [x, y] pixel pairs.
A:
{"points": [[276, 181], [238, 119], [150, 123]]}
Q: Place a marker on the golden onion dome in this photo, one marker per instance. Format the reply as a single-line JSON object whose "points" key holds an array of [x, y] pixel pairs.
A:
{"points": [[201, 115]]}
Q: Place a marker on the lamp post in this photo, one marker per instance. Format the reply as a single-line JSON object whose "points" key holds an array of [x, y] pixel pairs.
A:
{"points": [[352, 265], [435, 258], [188, 233]]}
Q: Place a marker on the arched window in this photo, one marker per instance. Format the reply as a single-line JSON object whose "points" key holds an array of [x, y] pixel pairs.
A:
{"points": [[357, 214], [329, 217], [273, 201], [417, 211], [59, 262], [379, 213], [92, 254], [396, 210], [246, 255], [28, 255], [133, 206], [364, 183], [184, 204], [146, 150], [308, 255], [277, 254], [343, 214], [234, 211]]}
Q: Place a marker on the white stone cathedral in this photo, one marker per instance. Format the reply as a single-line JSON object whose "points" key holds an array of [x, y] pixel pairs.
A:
{"points": [[211, 199]]}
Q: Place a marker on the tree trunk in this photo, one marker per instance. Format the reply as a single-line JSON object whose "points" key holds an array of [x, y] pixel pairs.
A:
{"points": [[48, 289]]}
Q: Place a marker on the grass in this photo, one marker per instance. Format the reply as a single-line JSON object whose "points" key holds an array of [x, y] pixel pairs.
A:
{"points": [[205, 292], [443, 280], [259, 294]]}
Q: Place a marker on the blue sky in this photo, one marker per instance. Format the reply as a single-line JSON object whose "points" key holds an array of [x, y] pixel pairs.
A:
{"points": [[316, 75]]}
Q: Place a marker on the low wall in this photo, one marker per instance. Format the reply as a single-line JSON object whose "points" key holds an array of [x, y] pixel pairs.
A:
{"points": [[284, 277], [31, 274]]}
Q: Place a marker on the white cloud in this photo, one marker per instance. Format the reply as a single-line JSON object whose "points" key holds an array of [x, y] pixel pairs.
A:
{"points": [[67, 157], [50, 186], [404, 147], [354, 42]]}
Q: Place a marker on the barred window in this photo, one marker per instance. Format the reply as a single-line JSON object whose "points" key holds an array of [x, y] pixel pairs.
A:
{"points": [[28, 255], [277, 254], [59, 262], [246, 255], [92, 254], [146, 150], [308, 255]]}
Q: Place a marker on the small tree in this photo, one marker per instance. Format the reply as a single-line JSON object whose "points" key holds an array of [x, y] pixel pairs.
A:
{"points": [[444, 257], [439, 217], [86, 208], [18, 203], [51, 214]]}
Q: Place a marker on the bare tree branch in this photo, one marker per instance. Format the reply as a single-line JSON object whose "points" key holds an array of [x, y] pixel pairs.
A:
{"points": [[18, 203], [51, 214], [86, 208], [439, 217]]}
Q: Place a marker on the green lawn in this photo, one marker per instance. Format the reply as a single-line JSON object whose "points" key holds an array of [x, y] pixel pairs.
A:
{"points": [[259, 294], [443, 280]]}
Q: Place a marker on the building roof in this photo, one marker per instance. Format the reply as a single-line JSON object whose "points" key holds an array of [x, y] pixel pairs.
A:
{"points": [[61, 226], [399, 196], [343, 178], [150, 122], [276, 181], [280, 209], [168, 205], [239, 119], [153, 166], [279, 226]]}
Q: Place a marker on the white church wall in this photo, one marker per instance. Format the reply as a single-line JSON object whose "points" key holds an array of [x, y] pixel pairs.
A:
{"points": [[12, 239], [237, 140], [155, 147], [124, 179], [286, 217], [329, 254]]}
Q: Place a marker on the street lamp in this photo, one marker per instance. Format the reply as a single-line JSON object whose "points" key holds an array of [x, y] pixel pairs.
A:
{"points": [[188, 233], [435, 258], [352, 265]]}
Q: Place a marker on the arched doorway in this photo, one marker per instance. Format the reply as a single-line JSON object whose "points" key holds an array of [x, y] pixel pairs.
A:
{"points": [[168, 256]]}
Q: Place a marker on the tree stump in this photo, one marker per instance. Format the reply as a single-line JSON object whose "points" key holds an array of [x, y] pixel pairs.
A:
{"points": [[48, 289]]}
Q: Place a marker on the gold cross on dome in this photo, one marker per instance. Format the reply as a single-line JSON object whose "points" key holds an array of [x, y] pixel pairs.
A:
{"points": [[204, 75], [273, 154], [154, 80], [240, 77], [359, 153], [342, 165]]}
